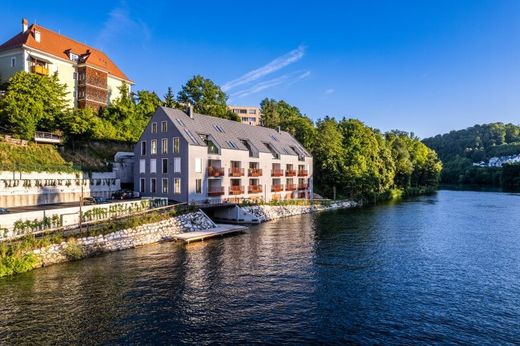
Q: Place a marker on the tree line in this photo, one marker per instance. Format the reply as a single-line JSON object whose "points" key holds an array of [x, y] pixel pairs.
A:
{"points": [[350, 158], [459, 149]]}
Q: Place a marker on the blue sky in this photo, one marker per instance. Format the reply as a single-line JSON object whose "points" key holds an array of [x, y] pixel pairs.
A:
{"points": [[420, 66]]}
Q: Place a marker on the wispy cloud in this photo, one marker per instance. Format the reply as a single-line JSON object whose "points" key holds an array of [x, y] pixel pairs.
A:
{"points": [[288, 78], [329, 91], [275, 65], [120, 22]]}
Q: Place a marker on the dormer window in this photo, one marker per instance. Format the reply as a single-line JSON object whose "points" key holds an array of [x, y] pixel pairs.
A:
{"points": [[73, 57], [37, 36]]}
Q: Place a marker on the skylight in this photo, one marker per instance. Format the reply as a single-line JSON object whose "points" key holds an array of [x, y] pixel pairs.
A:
{"points": [[180, 122], [218, 128], [191, 136]]}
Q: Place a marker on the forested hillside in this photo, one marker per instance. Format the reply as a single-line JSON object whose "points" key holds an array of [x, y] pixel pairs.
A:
{"points": [[458, 150]]}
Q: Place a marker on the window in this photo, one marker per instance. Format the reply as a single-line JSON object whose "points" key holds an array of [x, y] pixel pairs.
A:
{"points": [[232, 145], [252, 111], [246, 119], [177, 165], [73, 57], [177, 185], [164, 185], [153, 166], [271, 149], [218, 128], [143, 148], [198, 185], [164, 126], [198, 165], [176, 145], [153, 149], [165, 166], [243, 111], [141, 185], [180, 122], [153, 186], [82, 93], [154, 127], [142, 166], [191, 136], [13, 61], [274, 138], [164, 146], [81, 76]]}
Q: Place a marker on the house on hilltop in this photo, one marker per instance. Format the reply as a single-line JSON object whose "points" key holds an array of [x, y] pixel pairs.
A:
{"points": [[92, 79], [190, 157]]}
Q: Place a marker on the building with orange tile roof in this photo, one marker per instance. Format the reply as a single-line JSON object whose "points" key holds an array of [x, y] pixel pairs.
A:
{"points": [[91, 78]]}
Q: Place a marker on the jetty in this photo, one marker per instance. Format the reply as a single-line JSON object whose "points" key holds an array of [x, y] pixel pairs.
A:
{"points": [[219, 230]]}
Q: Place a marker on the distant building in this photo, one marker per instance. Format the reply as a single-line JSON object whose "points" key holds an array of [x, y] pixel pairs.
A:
{"points": [[248, 115], [91, 78], [189, 157]]}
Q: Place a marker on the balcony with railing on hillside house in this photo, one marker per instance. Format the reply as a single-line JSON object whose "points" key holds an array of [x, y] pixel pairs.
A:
{"points": [[254, 170], [39, 66], [290, 171], [290, 187], [215, 188], [277, 185], [236, 170], [255, 188], [302, 172], [47, 138], [276, 171], [214, 169], [236, 190]]}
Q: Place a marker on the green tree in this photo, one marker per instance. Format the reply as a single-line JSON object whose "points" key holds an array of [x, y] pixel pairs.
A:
{"points": [[206, 98], [32, 102], [169, 99]]}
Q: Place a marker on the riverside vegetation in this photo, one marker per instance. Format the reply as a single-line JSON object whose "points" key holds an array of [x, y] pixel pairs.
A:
{"points": [[356, 161]]}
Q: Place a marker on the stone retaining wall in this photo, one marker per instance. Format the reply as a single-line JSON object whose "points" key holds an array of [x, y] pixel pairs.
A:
{"points": [[267, 212], [123, 239]]}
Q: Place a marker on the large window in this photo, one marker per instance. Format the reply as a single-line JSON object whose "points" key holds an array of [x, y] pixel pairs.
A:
{"points": [[165, 166], [198, 186], [177, 185], [176, 145], [177, 165], [153, 185], [165, 185], [164, 146], [153, 146], [198, 165], [153, 166], [164, 126], [142, 166], [154, 127]]}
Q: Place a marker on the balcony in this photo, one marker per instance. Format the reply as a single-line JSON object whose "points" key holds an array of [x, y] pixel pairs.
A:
{"points": [[254, 172], [215, 171], [303, 186], [254, 189], [277, 173], [236, 190], [236, 172], [47, 137], [38, 69], [290, 187], [277, 188], [216, 191], [303, 173], [290, 173]]}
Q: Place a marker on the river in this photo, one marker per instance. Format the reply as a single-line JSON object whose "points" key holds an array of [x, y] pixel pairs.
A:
{"points": [[434, 269]]}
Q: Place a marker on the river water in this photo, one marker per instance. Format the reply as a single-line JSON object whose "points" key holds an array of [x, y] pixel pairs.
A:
{"points": [[435, 269]]}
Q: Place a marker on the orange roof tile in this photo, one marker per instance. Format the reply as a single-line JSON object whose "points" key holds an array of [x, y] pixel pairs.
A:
{"points": [[59, 46]]}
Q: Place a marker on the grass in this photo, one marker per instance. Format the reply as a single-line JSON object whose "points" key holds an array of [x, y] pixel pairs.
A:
{"points": [[94, 155], [32, 158]]}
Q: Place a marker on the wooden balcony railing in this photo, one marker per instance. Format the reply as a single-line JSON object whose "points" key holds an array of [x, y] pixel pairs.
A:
{"points": [[303, 173], [277, 188], [215, 171], [290, 173], [254, 189], [277, 173], [40, 70], [254, 172], [236, 172], [290, 187], [303, 186], [216, 191], [236, 190]]}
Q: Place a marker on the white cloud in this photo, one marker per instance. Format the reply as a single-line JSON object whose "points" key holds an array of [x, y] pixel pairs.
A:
{"points": [[329, 91], [120, 22], [275, 65], [289, 78]]}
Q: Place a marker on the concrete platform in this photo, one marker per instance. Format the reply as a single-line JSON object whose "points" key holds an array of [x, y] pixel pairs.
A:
{"points": [[220, 230]]}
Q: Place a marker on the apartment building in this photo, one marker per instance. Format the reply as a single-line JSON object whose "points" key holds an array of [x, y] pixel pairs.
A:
{"points": [[248, 115], [91, 78], [189, 157]]}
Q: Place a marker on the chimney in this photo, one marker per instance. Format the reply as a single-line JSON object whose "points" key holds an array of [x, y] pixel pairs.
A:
{"points": [[190, 110], [25, 25], [37, 35]]}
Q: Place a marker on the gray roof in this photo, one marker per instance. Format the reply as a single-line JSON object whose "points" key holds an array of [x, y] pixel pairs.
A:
{"points": [[226, 133]]}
